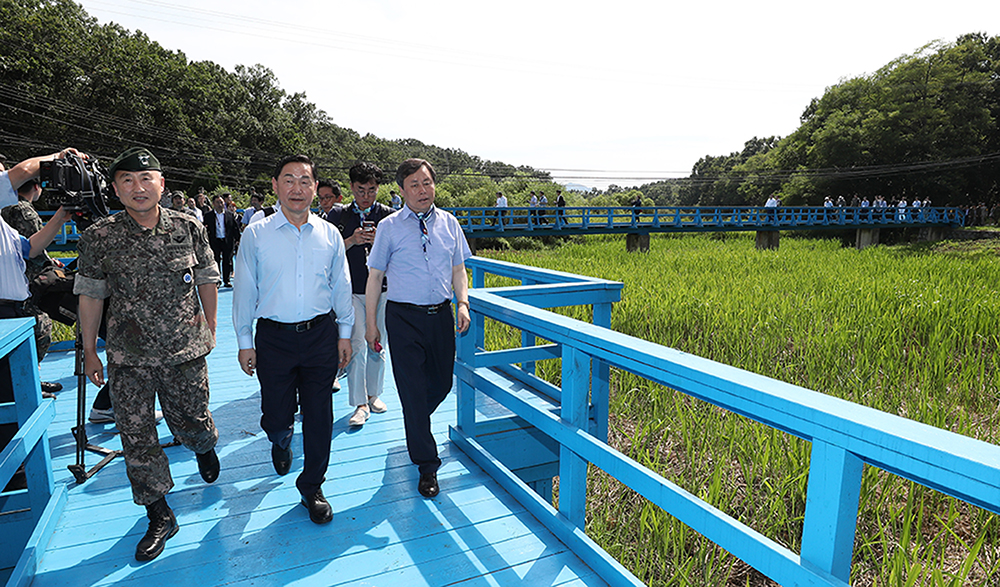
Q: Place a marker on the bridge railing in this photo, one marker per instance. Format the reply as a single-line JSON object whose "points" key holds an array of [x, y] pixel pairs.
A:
{"points": [[666, 218], [844, 436], [27, 516]]}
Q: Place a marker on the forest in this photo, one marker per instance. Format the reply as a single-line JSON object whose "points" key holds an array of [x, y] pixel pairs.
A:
{"points": [[924, 124], [67, 80]]}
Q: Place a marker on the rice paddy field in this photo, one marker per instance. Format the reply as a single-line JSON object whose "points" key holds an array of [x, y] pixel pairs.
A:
{"points": [[911, 330]]}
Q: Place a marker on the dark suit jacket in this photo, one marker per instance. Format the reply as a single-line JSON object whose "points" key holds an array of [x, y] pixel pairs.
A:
{"points": [[232, 230]]}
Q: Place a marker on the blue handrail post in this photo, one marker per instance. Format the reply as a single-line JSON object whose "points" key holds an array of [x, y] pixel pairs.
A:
{"points": [[601, 376], [478, 325], [832, 501], [528, 339], [572, 468], [466, 345]]}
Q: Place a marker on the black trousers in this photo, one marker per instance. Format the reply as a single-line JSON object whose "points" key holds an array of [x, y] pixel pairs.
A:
{"points": [[422, 349], [223, 251], [298, 369]]}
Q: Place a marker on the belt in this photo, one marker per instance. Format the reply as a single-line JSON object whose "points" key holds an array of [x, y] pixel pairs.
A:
{"points": [[432, 309], [18, 305], [296, 326]]}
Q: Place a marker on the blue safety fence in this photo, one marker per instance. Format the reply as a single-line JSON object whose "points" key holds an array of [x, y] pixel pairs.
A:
{"points": [[569, 424], [28, 515]]}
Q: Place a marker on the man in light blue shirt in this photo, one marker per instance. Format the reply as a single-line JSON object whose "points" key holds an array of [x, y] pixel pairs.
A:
{"points": [[292, 276], [421, 250]]}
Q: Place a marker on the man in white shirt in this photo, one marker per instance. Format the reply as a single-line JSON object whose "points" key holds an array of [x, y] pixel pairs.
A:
{"points": [[501, 204]]}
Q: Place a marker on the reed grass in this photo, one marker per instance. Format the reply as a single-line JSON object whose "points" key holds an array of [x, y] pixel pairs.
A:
{"points": [[910, 330]]}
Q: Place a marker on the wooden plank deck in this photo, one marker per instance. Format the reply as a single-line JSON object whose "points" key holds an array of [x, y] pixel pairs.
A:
{"points": [[249, 529]]}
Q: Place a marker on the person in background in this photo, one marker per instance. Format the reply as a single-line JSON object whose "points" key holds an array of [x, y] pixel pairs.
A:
{"points": [[500, 205], [14, 249], [177, 202], [420, 253], [223, 231], [195, 210], [395, 202], [256, 204], [328, 194], [203, 205], [772, 208], [23, 218], [358, 223]]}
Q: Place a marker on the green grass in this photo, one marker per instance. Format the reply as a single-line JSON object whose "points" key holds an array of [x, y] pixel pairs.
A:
{"points": [[910, 330]]}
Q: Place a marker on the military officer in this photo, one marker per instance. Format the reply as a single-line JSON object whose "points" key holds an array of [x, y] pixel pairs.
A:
{"points": [[156, 270]]}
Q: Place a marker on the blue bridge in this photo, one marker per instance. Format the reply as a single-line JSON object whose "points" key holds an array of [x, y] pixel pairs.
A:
{"points": [[494, 223], [638, 223], [504, 434]]}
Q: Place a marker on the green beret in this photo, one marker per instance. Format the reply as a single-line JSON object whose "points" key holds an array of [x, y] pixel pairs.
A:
{"points": [[134, 159]]}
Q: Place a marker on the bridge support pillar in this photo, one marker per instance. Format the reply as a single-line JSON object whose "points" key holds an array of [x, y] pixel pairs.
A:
{"points": [[637, 242], [767, 239], [934, 233], [865, 237]]}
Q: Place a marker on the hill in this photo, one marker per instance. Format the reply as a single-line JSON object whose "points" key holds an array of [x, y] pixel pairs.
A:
{"points": [[65, 79]]}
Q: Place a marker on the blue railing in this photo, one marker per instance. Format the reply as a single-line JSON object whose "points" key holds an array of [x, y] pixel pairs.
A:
{"points": [[570, 422], [493, 222], [27, 516], [486, 222]]}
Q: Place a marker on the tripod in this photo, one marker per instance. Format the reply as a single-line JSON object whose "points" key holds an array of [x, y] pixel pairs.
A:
{"points": [[78, 468]]}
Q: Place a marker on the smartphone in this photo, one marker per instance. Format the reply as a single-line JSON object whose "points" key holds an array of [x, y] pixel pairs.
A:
{"points": [[368, 226]]}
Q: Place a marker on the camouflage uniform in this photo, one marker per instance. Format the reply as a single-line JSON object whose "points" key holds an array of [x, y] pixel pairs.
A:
{"points": [[157, 335], [23, 218]]}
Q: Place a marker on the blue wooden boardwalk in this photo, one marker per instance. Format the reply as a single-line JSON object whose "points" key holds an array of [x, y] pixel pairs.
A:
{"points": [[248, 529]]}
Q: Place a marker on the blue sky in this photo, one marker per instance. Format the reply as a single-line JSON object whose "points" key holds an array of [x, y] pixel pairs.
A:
{"points": [[619, 92]]}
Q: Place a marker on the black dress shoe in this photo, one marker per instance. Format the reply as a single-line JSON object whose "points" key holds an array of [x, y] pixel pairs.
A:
{"points": [[428, 485], [51, 387], [208, 465], [282, 459], [162, 525], [320, 511]]}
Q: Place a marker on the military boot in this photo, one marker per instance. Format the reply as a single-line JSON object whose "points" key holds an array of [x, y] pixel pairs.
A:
{"points": [[162, 525]]}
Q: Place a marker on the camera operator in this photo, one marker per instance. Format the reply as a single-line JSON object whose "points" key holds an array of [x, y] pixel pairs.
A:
{"points": [[14, 248], [23, 218], [155, 269]]}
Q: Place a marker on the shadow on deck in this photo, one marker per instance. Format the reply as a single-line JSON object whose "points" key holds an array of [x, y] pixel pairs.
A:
{"points": [[249, 529]]}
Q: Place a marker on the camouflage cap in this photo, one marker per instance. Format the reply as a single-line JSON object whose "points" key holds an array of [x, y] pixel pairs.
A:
{"points": [[134, 159]]}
